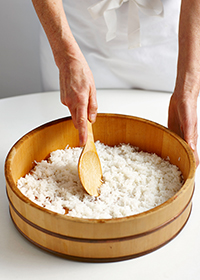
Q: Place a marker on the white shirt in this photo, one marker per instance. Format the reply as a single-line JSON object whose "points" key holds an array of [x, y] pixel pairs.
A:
{"points": [[151, 66]]}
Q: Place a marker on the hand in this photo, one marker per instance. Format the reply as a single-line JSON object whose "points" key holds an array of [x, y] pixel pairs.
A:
{"points": [[182, 119], [78, 92]]}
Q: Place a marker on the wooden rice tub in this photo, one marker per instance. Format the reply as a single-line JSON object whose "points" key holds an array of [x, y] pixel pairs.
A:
{"points": [[105, 239]]}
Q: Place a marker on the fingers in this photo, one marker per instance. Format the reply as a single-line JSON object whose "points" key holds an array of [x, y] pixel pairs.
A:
{"points": [[82, 104], [193, 145], [80, 121], [191, 137], [84, 111], [92, 106], [77, 105], [188, 125]]}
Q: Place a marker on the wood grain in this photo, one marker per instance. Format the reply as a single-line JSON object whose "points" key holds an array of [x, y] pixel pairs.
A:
{"points": [[100, 240]]}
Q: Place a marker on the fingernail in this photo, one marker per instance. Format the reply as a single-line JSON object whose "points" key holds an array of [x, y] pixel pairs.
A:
{"points": [[92, 117], [192, 146]]}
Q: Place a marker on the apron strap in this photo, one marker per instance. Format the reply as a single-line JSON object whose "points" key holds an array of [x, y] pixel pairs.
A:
{"points": [[106, 8]]}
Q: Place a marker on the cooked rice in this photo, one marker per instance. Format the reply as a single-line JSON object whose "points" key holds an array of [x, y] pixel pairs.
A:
{"points": [[134, 182]]}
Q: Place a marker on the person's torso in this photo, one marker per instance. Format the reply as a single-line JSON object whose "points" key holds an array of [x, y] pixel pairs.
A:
{"points": [[151, 66]]}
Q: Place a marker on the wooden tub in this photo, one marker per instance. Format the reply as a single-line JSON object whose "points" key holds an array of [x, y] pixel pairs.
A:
{"points": [[104, 239]]}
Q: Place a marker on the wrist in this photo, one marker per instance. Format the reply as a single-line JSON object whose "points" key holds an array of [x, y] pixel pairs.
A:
{"points": [[66, 50], [187, 85]]}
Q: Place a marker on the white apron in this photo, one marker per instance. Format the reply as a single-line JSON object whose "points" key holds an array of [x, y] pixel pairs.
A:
{"points": [[151, 66]]}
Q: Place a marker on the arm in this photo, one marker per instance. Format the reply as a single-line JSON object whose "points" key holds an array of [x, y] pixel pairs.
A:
{"points": [[183, 104], [77, 87]]}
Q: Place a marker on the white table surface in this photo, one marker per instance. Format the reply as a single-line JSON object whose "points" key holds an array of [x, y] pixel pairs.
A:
{"points": [[19, 259]]}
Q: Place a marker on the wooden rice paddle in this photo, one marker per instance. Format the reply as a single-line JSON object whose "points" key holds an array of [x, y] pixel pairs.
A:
{"points": [[89, 166]]}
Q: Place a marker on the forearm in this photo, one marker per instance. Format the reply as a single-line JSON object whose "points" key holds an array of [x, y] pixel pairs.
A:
{"points": [[77, 87], [53, 19], [182, 118], [188, 71]]}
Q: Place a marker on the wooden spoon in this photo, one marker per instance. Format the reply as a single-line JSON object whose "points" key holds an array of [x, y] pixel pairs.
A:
{"points": [[89, 166]]}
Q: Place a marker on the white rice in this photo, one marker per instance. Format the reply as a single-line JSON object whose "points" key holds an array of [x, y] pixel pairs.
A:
{"points": [[134, 182]]}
